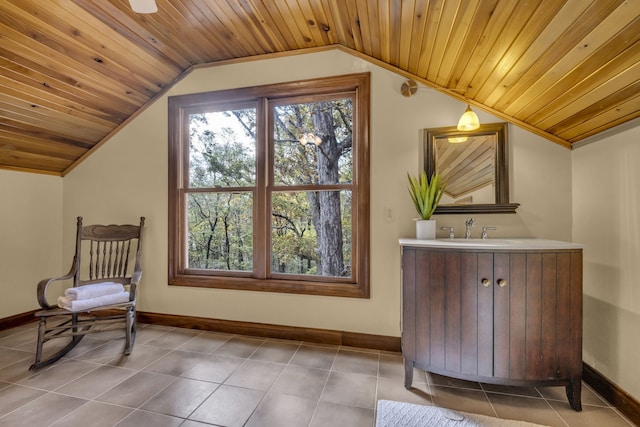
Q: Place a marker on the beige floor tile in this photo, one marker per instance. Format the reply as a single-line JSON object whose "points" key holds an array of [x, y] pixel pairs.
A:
{"points": [[113, 333], [87, 344], [278, 410], [176, 362], [435, 379], [462, 399], [149, 419], [180, 398], [42, 411], [190, 423], [275, 351], [505, 389], [141, 357], [137, 389], [11, 356], [255, 374], [301, 381], [94, 414], [359, 349], [96, 382], [206, 342], [521, 408], [588, 396], [15, 396], [12, 331], [173, 339], [228, 406], [150, 333], [356, 362], [238, 346], [190, 378], [107, 351], [330, 414], [393, 389], [17, 371], [391, 366], [311, 356], [27, 336], [214, 368], [30, 347], [590, 416], [58, 374], [350, 389]]}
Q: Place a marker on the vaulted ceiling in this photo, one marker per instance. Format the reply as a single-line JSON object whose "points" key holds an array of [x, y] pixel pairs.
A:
{"points": [[72, 72]]}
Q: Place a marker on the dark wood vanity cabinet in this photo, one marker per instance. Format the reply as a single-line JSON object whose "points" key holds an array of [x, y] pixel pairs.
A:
{"points": [[509, 317]]}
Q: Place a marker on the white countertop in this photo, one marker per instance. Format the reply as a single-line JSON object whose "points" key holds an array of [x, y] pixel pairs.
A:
{"points": [[506, 244]]}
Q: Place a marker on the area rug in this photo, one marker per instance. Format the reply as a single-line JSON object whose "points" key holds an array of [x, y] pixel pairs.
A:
{"points": [[401, 414]]}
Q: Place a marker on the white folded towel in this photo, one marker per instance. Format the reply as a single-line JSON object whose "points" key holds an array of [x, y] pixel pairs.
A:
{"points": [[86, 304], [94, 290]]}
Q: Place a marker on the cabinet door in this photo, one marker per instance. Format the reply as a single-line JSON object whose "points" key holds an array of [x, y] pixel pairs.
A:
{"points": [[471, 301], [449, 340], [535, 321], [509, 292], [424, 315], [431, 313], [454, 312], [484, 287]]}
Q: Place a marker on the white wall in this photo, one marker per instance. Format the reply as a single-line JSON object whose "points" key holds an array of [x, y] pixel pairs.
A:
{"points": [[127, 178], [30, 237], [606, 206]]}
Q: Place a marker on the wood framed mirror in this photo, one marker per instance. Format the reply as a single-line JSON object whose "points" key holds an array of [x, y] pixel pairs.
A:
{"points": [[475, 166]]}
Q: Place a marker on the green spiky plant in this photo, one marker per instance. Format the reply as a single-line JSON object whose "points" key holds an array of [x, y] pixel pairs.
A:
{"points": [[426, 193]]}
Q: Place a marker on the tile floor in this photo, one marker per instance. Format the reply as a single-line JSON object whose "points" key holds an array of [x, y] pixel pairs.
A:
{"points": [[182, 377]]}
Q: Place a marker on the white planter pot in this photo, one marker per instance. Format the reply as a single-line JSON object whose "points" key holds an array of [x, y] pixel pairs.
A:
{"points": [[425, 229]]}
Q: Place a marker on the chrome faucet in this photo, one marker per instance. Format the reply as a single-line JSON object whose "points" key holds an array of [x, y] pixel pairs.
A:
{"points": [[451, 234], [470, 222], [484, 231]]}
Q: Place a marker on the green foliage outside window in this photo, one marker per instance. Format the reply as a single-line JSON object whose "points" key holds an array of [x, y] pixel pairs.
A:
{"points": [[310, 229]]}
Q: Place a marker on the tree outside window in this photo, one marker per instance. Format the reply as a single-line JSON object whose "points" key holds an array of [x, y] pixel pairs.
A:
{"points": [[269, 188]]}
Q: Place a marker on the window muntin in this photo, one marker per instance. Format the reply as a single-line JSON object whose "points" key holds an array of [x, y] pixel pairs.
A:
{"points": [[248, 170]]}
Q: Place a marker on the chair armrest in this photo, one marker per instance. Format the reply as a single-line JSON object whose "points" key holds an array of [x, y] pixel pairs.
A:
{"points": [[44, 284]]}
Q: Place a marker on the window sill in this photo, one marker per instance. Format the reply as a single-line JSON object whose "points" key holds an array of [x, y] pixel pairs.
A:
{"points": [[334, 289]]}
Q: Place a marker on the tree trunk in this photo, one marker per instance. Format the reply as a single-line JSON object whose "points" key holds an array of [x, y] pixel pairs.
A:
{"points": [[327, 218]]}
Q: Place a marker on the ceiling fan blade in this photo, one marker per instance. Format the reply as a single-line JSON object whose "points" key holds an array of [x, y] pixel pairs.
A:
{"points": [[143, 6]]}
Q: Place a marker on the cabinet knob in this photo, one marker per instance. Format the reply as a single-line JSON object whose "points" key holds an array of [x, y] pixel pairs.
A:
{"points": [[486, 282], [502, 283]]}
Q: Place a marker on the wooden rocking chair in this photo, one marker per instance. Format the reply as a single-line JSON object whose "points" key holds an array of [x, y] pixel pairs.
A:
{"points": [[104, 253]]}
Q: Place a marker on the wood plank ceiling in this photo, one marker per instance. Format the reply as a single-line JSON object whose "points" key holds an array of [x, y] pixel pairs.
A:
{"points": [[73, 71]]}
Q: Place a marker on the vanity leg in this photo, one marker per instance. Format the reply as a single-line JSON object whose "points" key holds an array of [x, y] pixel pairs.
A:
{"points": [[408, 373], [574, 392]]}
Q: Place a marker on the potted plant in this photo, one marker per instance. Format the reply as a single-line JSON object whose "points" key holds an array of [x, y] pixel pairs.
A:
{"points": [[426, 194]]}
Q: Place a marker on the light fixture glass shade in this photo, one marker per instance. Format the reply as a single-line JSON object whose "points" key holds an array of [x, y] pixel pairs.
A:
{"points": [[143, 6], [469, 120]]}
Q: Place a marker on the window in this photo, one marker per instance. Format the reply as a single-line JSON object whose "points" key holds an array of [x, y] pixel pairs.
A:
{"points": [[269, 187]]}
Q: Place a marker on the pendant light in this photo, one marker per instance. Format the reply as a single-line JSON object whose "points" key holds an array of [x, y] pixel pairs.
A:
{"points": [[469, 120]]}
